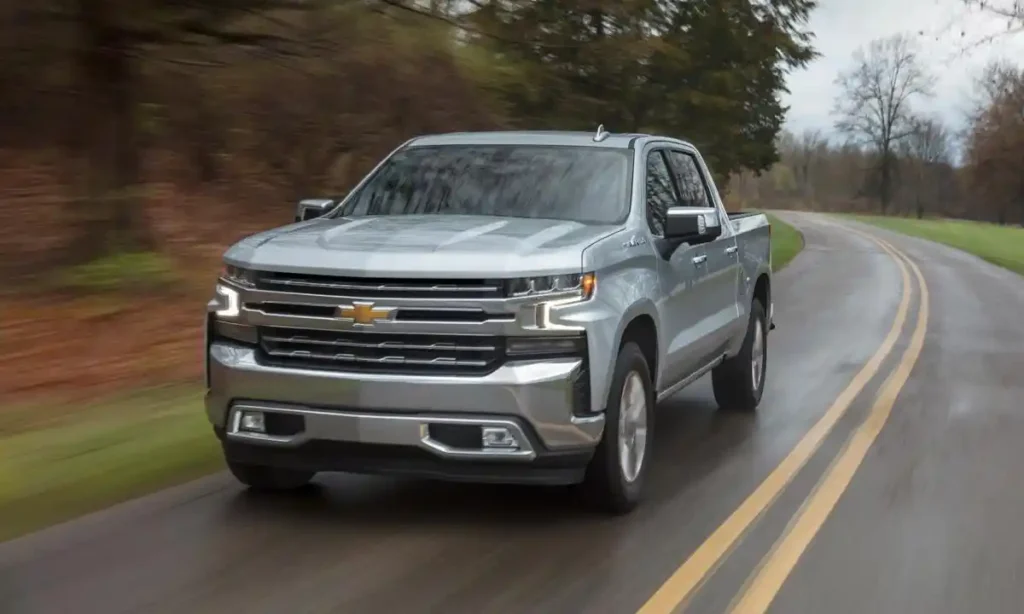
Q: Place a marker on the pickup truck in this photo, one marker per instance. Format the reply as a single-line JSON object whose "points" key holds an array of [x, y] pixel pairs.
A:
{"points": [[489, 307]]}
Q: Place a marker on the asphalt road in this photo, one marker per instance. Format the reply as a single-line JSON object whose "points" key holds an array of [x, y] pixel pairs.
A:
{"points": [[903, 504]]}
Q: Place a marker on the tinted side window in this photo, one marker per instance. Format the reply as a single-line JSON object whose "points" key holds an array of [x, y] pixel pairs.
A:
{"points": [[661, 194], [691, 182]]}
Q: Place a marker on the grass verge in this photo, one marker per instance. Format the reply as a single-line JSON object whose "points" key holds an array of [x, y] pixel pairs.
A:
{"points": [[71, 463], [1000, 245], [786, 243]]}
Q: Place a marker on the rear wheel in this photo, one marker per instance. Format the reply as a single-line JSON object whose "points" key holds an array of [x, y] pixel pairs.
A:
{"points": [[616, 473], [260, 477], [739, 381]]}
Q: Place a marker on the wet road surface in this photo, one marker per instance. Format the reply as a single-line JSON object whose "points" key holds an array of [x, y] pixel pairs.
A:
{"points": [[929, 522]]}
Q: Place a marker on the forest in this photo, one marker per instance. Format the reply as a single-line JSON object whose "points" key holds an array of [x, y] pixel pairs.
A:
{"points": [[889, 157], [143, 137]]}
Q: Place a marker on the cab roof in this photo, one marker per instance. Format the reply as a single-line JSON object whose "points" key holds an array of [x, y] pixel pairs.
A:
{"points": [[538, 137]]}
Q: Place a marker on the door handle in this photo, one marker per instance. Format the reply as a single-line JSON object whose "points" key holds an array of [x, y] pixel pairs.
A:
{"points": [[732, 249], [699, 259]]}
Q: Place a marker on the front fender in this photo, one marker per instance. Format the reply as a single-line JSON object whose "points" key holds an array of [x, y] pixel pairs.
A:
{"points": [[622, 308]]}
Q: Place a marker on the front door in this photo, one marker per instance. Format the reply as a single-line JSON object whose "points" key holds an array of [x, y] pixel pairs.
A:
{"points": [[717, 308], [680, 269]]}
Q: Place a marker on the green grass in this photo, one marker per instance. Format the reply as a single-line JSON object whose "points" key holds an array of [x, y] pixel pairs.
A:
{"points": [[1000, 245], [117, 271], [786, 243], [81, 461]]}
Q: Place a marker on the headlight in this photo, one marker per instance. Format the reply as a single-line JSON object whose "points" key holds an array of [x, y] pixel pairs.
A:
{"points": [[227, 302], [238, 276], [580, 285]]}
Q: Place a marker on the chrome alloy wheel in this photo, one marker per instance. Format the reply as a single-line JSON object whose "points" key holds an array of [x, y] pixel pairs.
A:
{"points": [[632, 426], [757, 355]]}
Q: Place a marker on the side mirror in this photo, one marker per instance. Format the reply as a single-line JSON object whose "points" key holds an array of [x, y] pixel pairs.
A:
{"points": [[312, 208], [693, 225]]}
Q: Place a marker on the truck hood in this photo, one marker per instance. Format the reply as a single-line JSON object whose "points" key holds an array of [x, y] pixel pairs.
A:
{"points": [[421, 245]]}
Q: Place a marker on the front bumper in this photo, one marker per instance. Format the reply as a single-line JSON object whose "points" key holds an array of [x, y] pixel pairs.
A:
{"points": [[366, 414], [547, 468]]}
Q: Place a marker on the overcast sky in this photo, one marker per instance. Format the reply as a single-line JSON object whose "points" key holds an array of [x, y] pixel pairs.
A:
{"points": [[841, 26]]}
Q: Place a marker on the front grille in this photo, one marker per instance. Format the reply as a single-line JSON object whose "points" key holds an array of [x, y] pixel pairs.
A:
{"points": [[401, 315], [363, 287], [381, 352]]}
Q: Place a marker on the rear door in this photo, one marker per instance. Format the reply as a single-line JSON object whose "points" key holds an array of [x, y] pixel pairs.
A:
{"points": [[719, 284], [679, 271]]}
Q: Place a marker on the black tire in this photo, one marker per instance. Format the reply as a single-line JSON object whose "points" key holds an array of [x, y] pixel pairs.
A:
{"points": [[605, 485], [271, 479], [734, 380]]}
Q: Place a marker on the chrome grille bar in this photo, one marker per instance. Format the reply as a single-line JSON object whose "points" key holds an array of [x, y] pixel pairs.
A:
{"points": [[378, 288], [384, 352]]}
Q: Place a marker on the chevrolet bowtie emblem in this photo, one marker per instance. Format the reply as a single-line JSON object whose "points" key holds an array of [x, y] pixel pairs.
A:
{"points": [[364, 314]]}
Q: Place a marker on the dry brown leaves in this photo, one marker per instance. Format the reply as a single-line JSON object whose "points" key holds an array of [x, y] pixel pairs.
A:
{"points": [[66, 346]]}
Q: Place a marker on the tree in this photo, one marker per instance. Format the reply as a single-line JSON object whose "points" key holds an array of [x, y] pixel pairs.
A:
{"points": [[708, 71], [995, 144], [874, 103], [807, 148], [928, 150], [105, 43], [929, 182]]}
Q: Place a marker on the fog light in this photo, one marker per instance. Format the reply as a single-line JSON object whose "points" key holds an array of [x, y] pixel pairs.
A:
{"points": [[498, 437], [544, 347], [252, 422]]}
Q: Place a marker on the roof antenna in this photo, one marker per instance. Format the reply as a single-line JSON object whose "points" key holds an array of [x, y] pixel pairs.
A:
{"points": [[601, 134]]}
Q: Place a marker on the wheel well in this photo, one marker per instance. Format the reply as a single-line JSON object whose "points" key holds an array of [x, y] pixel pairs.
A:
{"points": [[762, 290], [641, 330]]}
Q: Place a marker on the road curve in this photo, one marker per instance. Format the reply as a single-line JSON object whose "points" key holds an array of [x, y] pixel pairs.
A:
{"points": [[928, 523]]}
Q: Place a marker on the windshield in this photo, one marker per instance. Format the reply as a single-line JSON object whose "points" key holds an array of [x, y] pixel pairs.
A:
{"points": [[582, 184]]}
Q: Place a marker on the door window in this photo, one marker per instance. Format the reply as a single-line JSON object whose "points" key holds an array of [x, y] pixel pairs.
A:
{"points": [[692, 187], [661, 193]]}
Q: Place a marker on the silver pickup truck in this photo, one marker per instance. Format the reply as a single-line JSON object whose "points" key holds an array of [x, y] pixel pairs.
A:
{"points": [[489, 307]]}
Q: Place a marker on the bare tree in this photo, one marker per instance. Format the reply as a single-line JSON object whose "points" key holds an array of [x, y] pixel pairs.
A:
{"points": [[808, 147], [928, 149], [874, 104], [930, 140]]}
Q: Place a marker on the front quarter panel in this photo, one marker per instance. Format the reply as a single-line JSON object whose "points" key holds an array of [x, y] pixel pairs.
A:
{"points": [[627, 283]]}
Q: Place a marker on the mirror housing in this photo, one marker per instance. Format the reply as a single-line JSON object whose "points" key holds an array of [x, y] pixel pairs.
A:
{"points": [[312, 208], [692, 224]]}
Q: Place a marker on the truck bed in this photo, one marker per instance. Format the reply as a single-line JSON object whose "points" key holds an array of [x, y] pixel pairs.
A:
{"points": [[747, 221]]}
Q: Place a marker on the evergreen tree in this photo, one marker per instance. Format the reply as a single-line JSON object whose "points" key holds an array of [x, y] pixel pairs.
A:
{"points": [[709, 71]]}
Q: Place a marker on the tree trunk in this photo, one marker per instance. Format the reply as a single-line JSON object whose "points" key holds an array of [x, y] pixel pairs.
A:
{"points": [[111, 218], [920, 188], [885, 184]]}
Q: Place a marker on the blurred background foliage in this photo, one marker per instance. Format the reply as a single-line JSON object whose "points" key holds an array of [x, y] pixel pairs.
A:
{"points": [[143, 136], [112, 102]]}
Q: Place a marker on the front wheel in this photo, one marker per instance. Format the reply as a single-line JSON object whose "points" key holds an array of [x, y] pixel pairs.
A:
{"points": [[615, 476], [739, 381]]}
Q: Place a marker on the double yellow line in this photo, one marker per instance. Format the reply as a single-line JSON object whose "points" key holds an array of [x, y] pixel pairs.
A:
{"points": [[759, 591]]}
